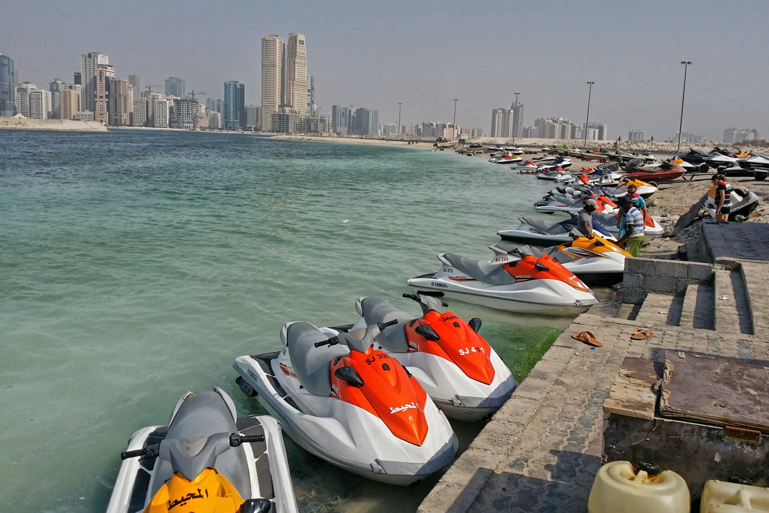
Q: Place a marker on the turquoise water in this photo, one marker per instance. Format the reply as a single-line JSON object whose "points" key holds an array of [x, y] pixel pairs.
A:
{"points": [[135, 266]]}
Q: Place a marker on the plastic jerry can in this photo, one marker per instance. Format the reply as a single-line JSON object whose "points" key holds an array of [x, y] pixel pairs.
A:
{"points": [[620, 488], [722, 497]]}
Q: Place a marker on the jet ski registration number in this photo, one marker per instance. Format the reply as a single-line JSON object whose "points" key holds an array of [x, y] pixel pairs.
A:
{"points": [[465, 351]]}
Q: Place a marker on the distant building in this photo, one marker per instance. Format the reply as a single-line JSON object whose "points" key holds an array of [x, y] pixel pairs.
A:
{"points": [[636, 135], [88, 63], [215, 120], [176, 86], [121, 105], [135, 82], [234, 105], [501, 125], [428, 129], [735, 135], [312, 108], [531, 132], [296, 74], [688, 137], [84, 115], [476, 132], [601, 131], [252, 117], [389, 130], [517, 119], [56, 87], [77, 79], [140, 112], [102, 76], [341, 119], [365, 122], [272, 78], [39, 104], [7, 87], [161, 113], [22, 98], [284, 121], [69, 102], [183, 114]]}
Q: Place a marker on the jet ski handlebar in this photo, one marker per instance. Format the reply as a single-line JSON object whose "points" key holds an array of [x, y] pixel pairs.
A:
{"points": [[415, 297], [335, 340], [152, 451]]}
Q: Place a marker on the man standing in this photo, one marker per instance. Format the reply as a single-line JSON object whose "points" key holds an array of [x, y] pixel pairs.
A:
{"points": [[585, 221], [638, 200], [634, 221]]}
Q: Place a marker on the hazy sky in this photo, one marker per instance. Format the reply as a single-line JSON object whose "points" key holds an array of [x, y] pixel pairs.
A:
{"points": [[375, 54]]}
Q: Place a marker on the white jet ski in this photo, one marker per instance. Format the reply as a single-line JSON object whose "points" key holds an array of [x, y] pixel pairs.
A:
{"points": [[741, 204], [515, 150], [561, 162], [527, 167], [514, 283], [458, 369], [556, 175], [593, 260], [205, 446], [546, 233], [572, 205], [349, 404], [652, 230]]}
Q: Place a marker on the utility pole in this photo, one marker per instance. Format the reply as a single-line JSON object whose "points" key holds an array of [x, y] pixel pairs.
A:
{"points": [[399, 120], [683, 97], [587, 119], [455, 118], [515, 112]]}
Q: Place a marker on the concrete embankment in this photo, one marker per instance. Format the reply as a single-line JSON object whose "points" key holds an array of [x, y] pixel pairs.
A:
{"points": [[65, 125]]}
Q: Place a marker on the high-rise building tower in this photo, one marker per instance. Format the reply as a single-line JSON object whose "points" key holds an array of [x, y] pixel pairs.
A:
{"points": [[312, 109], [7, 87], [88, 63], [69, 100], [272, 78], [517, 110], [121, 104], [78, 78], [501, 125], [296, 74], [234, 105], [101, 81], [136, 83], [176, 86]]}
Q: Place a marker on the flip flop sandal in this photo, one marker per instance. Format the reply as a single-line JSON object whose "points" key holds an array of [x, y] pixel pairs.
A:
{"points": [[587, 337], [641, 334]]}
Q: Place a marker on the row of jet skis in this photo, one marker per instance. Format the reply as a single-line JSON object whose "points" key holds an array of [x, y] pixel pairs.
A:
{"points": [[370, 397]]}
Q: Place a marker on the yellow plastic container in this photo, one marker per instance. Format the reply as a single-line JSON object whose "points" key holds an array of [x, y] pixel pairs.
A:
{"points": [[721, 497], [619, 488]]}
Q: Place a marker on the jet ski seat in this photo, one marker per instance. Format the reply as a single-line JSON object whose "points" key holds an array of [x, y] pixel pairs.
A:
{"points": [[375, 310], [552, 227], [311, 363], [554, 253], [200, 415], [481, 270]]}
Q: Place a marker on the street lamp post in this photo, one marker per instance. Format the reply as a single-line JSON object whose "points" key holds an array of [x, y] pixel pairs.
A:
{"points": [[455, 118], [587, 118], [515, 113], [683, 96], [399, 120]]}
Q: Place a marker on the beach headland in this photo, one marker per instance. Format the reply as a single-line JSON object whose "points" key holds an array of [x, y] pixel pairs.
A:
{"points": [[65, 125]]}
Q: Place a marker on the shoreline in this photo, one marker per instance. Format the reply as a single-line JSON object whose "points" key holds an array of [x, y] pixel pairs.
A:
{"points": [[51, 125]]}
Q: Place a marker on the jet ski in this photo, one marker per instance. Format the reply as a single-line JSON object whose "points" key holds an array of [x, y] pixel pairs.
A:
{"points": [[514, 150], [561, 162], [593, 260], [665, 173], [572, 205], [509, 159], [205, 459], [557, 174], [515, 283], [546, 233], [458, 369], [652, 229], [525, 168], [743, 202], [350, 404]]}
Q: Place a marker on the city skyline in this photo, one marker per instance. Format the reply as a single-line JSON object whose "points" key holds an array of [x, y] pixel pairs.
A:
{"points": [[434, 53]]}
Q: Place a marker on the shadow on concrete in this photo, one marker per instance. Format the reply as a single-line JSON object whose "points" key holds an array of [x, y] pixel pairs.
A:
{"points": [[571, 478]]}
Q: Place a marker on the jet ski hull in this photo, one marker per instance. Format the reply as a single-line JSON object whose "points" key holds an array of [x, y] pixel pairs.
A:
{"points": [[346, 436], [553, 299]]}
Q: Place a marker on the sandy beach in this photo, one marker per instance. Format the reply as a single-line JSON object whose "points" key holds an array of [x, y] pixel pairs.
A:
{"points": [[67, 125]]}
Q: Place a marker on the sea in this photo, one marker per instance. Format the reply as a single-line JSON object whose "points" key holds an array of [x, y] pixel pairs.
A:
{"points": [[135, 266]]}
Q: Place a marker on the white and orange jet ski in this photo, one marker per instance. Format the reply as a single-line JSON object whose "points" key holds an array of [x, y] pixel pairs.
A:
{"points": [[514, 283], [458, 369], [548, 233], [205, 459], [350, 404]]}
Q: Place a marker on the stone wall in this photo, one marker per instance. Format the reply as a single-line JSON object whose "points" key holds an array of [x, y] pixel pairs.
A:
{"points": [[644, 275]]}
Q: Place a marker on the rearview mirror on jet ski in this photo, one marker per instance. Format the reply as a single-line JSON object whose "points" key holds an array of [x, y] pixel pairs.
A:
{"points": [[428, 332], [475, 324], [349, 375], [255, 506], [541, 267]]}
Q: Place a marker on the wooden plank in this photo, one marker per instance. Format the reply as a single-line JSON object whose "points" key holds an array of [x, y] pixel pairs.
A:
{"points": [[632, 394], [716, 391]]}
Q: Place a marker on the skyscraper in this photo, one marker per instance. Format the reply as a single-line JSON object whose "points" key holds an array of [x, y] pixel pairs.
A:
{"points": [[176, 86], [121, 104], [39, 104], [312, 109], [517, 110], [101, 81], [272, 78], [296, 74], [341, 118], [88, 63], [69, 100], [22, 98], [136, 83], [234, 105], [501, 125], [7, 87]]}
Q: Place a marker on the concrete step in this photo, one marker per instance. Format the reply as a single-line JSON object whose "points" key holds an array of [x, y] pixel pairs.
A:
{"points": [[656, 309], [686, 318], [755, 277], [703, 312], [732, 310]]}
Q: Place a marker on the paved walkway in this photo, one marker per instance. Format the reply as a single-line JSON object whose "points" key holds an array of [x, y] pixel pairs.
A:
{"points": [[737, 241], [541, 452]]}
